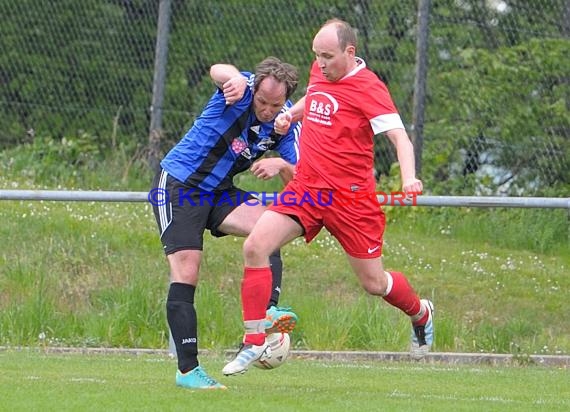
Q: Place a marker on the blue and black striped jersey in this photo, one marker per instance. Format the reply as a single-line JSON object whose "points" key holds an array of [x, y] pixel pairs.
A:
{"points": [[225, 140]]}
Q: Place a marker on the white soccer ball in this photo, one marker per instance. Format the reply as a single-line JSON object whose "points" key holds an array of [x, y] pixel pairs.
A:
{"points": [[280, 344]]}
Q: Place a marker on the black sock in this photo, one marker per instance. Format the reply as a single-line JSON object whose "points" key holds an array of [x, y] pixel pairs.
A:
{"points": [[277, 272], [181, 316]]}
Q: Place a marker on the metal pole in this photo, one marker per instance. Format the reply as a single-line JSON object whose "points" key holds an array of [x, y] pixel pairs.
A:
{"points": [[161, 55], [385, 199], [418, 109]]}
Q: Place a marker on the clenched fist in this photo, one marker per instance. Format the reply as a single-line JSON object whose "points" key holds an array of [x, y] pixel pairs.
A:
{"points": [[283, 122]]}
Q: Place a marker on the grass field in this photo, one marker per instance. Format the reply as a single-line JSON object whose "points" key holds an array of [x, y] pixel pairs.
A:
{"points": [[91, 274], [32, 380]]}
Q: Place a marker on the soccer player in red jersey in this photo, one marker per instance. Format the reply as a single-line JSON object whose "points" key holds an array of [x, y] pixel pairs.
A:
{"points": [[344, 107]]}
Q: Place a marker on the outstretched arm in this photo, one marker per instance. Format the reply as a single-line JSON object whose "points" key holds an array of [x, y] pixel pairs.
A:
{"points": [[405, 152]]}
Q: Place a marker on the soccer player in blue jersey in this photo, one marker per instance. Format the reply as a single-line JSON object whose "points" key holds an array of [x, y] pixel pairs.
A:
{"points": [[234, 130]]}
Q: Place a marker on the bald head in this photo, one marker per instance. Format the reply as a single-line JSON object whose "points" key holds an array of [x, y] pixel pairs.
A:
{"points": [[346, 35], [335, 48]]}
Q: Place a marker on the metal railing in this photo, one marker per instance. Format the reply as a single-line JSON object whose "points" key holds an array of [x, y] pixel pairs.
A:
{"points": [[391, 200]]}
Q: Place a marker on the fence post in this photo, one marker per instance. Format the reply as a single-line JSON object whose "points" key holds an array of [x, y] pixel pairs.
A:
{"points": [[161, 55], [418, 109]]}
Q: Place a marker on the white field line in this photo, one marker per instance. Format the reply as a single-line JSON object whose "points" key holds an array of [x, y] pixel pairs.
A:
{"points": [[433, 357]]}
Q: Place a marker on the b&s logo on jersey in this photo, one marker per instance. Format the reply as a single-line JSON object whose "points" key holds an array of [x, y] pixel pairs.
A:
{"points": [[321, 107]]}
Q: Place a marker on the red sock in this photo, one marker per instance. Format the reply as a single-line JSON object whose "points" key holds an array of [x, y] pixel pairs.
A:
{"points": [[402, 296], [255, 294]]}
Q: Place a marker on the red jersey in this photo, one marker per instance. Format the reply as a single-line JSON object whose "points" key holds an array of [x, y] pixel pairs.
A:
{"points": [[340, 120]]}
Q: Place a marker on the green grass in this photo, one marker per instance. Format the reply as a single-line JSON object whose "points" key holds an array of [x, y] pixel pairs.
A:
{"points": [[33, 380], [93, 274]]}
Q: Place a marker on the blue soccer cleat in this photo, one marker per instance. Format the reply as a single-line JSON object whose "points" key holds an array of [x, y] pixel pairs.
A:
{"points": [[197, 378], [280, 319]]}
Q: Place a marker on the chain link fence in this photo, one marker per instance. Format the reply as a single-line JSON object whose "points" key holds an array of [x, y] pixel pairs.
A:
{"points": [[494, 118]]}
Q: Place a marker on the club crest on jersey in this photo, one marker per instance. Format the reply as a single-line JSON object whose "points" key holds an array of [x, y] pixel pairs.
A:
{"points": [[247, 153], [321, 107], [238, 145], [265, 144]]}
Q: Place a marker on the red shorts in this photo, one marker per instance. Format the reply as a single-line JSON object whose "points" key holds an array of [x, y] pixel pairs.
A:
{"points": [[357, 222]]}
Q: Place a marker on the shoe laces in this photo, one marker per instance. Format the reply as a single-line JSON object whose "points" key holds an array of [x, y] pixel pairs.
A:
{"points": [[205, 377], [243, 347]]}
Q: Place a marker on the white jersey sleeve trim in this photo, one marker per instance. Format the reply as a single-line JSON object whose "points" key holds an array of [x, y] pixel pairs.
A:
{"points": [[386, 122]]}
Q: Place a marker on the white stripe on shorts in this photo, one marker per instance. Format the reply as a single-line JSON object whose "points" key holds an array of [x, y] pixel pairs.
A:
{"points": [[164, 210]]}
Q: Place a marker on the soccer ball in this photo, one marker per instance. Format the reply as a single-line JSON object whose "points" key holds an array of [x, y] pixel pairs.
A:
{"points": [[280, 344]]}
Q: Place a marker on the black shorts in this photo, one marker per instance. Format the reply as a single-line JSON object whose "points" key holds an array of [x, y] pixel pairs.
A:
{"points": [[186, 212]]}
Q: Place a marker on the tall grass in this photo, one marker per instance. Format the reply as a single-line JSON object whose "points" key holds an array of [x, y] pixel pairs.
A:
{"points": [[536, 230], [93, 274]]}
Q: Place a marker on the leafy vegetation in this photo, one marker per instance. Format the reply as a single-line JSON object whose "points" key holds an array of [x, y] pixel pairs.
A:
{"points": [[496, 112]]}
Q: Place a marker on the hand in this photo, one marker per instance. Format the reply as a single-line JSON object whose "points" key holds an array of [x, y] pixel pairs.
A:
{"points": [[412, 187], [282, 122], [234, 89], [267, 168]]}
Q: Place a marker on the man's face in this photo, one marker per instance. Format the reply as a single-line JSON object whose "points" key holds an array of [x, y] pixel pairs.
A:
{"points": [[269, 99], [333, 62]]}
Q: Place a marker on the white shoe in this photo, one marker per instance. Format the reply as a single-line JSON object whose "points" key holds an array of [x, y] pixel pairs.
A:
{"points": [[422, 336], [245, 357]]}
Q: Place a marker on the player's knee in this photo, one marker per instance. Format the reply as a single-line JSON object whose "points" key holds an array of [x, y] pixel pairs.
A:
{"points": [[184, 266], [371, 290], [249, 248], [253, 251], [374, 287]]}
